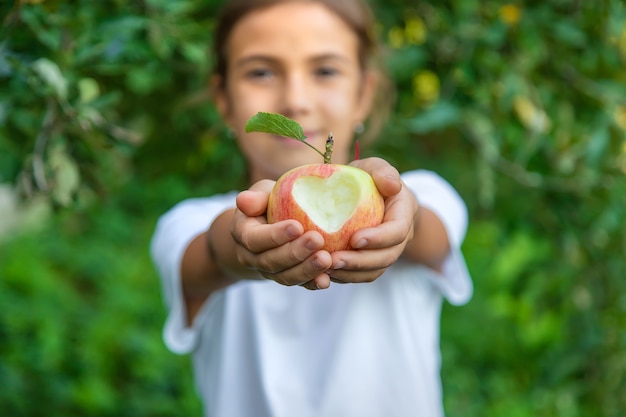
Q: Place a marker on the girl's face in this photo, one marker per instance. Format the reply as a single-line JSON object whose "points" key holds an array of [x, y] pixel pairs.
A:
{"points": [[301, 60]]}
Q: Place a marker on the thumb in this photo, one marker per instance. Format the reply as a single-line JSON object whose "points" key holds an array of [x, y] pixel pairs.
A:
{"points": [[385, 176], [253, 202]]}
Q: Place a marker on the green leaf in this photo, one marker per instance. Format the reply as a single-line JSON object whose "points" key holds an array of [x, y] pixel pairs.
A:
{"points": [[51, 74], [88, 89], [66, 175], [276, 124]]}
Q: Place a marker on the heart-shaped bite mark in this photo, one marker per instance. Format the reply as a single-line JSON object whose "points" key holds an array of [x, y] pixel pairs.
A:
{"points": [[329, 202]]}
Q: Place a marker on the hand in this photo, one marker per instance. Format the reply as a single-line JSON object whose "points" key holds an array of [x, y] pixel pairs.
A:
{"points": [[282, 252], [379, 247]]}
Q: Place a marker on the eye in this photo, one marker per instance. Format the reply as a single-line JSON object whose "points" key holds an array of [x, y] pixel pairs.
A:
{"points": [[326, 72], [259, 73]]}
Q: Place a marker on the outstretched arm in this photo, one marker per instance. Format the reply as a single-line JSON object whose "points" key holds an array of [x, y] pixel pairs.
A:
{"points": [[200, 273]]}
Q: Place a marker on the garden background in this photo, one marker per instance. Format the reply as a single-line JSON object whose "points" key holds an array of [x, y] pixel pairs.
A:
{"points": [[105, 123]]}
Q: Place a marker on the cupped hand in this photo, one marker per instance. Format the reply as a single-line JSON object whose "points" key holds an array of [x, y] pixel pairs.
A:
{"points": [[377, 248], [282, 252]]}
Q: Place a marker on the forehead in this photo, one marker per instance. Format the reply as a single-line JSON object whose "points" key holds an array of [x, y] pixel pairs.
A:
{"points": [[294, 28]]}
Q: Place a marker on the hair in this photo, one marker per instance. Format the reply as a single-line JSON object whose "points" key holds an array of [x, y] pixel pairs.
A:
{"points": [[355, 13]]}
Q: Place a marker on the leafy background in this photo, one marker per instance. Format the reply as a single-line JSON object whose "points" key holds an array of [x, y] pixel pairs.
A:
{"points": [[105, 123]]}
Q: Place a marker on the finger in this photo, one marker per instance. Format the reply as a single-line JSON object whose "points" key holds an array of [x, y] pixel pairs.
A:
{"points": [[256, 236], [396, 228], [361, 266], [321, 282], [312, 269], [364, 260], [253, 202], [286, 256], [385, 235], [355, 277], [309, 285], [385, 176]]}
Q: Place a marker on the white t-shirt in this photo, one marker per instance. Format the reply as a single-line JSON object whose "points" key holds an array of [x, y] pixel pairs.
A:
{"points": [[354, 350]]}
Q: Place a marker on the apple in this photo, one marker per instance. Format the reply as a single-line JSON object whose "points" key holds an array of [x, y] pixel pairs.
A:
{"points": [[335, 200]]}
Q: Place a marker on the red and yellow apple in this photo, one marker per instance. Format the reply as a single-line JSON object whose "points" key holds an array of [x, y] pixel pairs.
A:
{"points": [[335, 200]]}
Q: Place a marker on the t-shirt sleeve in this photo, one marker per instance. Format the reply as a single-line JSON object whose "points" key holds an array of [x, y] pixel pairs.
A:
{"points": [[173, 233], [433, 192]]}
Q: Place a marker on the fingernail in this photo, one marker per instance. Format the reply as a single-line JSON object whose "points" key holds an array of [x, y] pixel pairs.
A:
{"points": [[339, 265], [311, 245], [292, 231], [360, 244], [317, 264]]}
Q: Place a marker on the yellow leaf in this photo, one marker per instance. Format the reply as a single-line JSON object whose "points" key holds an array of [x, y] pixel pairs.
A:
{"points": [[396, 37], [415, 31], [510, 14], [532, 117], [619, 115], [426, 86]]}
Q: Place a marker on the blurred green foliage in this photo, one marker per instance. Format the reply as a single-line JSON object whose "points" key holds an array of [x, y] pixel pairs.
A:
{"points": [[105, 123], [81, 318]]}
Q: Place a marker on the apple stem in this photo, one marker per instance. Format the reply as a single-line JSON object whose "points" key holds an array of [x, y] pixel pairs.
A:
{"points": [[312, 147], [329, 148]]}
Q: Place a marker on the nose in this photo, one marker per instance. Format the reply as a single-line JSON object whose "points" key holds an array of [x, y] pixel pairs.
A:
{"points": [[297, 95]]}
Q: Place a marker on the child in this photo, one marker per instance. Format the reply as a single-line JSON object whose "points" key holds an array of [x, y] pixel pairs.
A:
{"points": [[364, 341]]}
